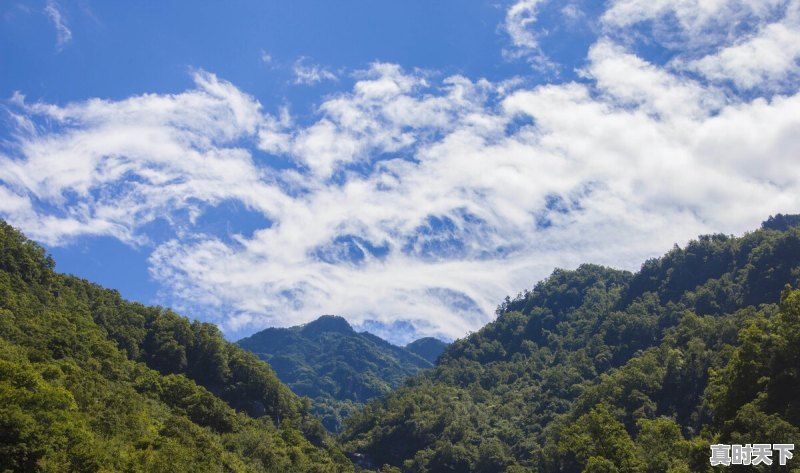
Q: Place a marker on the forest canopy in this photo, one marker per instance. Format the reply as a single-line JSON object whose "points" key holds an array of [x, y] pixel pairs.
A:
{"points": [[338, 368], [91, 382], [597, 369], [592, 370]]}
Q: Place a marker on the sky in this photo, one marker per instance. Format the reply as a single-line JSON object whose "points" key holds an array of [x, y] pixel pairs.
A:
{"points": [[406, 165]]}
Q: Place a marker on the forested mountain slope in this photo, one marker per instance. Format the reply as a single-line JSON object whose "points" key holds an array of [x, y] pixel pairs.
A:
{"points": [[428, 347], [601, 370], [336, 366], [91, 382]]}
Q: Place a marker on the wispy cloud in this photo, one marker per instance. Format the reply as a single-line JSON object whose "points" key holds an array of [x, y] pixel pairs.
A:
{"points": [[100, 163], [768, 57], [63, 33], [406, 198], [751, 44], [520, 18], [519, 25], [693, 20], [309, 74]]}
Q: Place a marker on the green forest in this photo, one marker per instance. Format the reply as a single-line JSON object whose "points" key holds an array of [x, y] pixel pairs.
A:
{"points": [[592, 370], [90, 382], [429, 348], [338, 368], [600, 370]]}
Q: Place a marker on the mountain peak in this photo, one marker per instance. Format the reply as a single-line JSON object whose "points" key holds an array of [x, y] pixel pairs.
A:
{"points": [[339, 368], [428, 347], [327, 323]]}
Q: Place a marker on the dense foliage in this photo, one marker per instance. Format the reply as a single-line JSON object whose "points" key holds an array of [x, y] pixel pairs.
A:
{"points": [[336, 366], [594, 370], [428, 347], [599, 370], [91, 382]]}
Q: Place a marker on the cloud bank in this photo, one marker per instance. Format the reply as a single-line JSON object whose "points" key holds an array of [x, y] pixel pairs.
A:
{"points": [[420, 199]]}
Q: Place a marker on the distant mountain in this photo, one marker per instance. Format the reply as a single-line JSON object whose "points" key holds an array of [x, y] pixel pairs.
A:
{"points": [[337, 367], [429, 348]]}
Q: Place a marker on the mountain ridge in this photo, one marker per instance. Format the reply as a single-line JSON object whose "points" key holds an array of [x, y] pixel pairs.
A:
{"points": [[592, 370], [600, 370], [333, 364], [429, 348], [90, 381]]}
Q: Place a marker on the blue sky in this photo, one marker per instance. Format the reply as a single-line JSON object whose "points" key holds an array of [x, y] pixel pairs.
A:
{"points": [[404, 164]]}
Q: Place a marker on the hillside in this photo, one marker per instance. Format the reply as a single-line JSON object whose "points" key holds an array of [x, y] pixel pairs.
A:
{"points": [[601, 370], [337, 367], [89, 382], [428, 347], [594, 369]]}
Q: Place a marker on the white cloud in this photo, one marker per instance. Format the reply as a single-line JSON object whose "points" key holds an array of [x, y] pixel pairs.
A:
{"points": [[114, 166], [749, 44], [63, 33], [383, 113], [632, 172], [407, 198], [519, 19], [309, 74], [630, 80], [711, 18], [766, 58], [572, 13], [519, 25]]}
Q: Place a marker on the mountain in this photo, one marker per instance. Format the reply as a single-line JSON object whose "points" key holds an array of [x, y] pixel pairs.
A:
{"points": [[90, 382], [602, 370], [337, 367], [593, 369], [429, 348]]}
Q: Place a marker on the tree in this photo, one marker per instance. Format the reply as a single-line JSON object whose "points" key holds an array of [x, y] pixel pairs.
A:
{"points": [[599, 435]]}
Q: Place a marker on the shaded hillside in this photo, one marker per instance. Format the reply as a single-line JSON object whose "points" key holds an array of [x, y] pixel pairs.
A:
{"points": [[90, 382], [429, 348], [604, 370], [333, 364]]}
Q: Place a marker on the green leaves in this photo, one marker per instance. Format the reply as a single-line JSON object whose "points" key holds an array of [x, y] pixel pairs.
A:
{"points": [[597, 434], [40, 422]]}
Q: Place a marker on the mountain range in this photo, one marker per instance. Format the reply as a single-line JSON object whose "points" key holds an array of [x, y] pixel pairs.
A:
{"points": [[338, 368], [591, 370], [91, 382], [602, 370]]}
